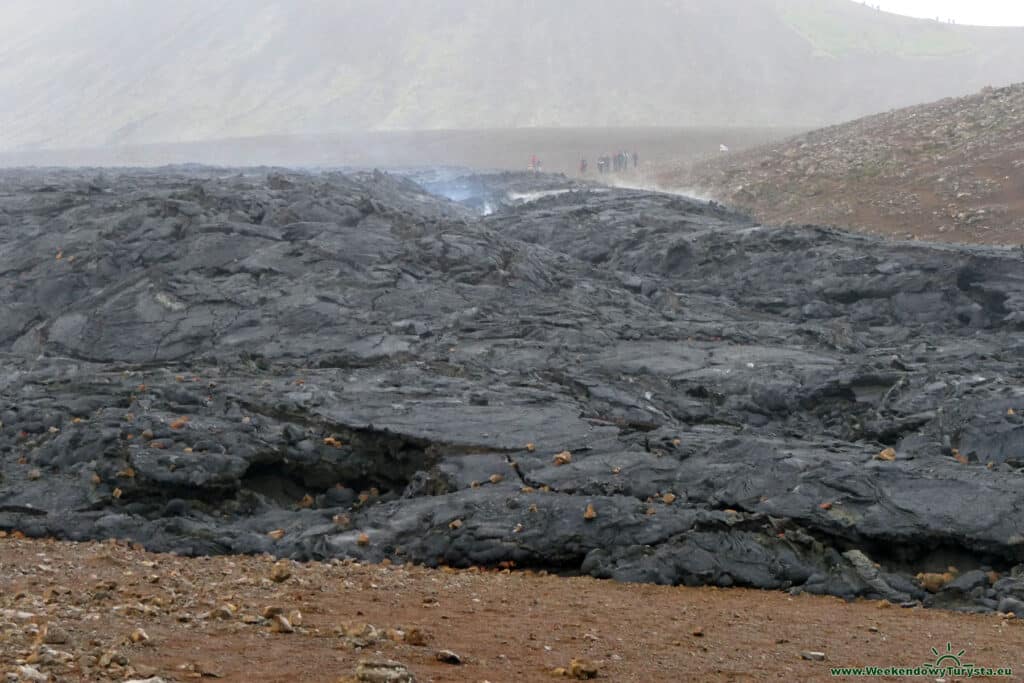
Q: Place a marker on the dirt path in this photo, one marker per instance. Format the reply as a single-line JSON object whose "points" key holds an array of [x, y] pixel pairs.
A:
{"points": [[202, 618]]}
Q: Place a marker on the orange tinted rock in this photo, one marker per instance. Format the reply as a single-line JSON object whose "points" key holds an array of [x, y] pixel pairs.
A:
{"points": [[889, 454]]}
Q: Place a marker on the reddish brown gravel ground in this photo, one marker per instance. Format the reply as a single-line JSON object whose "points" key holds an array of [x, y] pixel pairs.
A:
{"points": [[70, 611], [947, 171]]}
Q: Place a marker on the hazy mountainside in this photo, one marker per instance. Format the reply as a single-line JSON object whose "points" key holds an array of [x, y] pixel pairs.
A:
{"points": [[125, 72], [951, 170]]}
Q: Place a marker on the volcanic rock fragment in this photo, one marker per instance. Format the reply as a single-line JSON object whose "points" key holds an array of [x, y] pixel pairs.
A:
{"points": [[383, 671], [448, 657], [889, 454]]}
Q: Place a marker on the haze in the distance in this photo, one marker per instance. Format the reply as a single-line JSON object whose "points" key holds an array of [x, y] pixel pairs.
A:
{"points": [[111, 73]]}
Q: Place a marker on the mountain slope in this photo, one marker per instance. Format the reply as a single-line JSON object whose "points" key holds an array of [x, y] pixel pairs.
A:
{"points": [[950, 170], [119, 71]]}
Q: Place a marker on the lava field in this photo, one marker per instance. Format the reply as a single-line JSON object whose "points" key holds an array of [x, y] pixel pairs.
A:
{"points": [[620, 383]]}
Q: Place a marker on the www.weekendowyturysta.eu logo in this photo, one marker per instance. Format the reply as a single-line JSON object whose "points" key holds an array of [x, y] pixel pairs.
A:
{"points": [[947, 662], [947, 658]]}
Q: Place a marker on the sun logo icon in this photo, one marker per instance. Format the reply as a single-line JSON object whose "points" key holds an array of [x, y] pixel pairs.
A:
{"points": [[947, 658]]}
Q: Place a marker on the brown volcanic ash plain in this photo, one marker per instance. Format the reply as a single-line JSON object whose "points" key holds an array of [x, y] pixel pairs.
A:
{"points": [[949, 171]]}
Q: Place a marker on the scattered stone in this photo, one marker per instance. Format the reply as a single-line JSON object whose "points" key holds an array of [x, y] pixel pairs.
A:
{"points": [[934, 582], [112, 658], [448, 657], [30, 673], [582, 669], [1011, 606], [281, 571], [55, 635], [590, 512], [383, 671], [138, 636], [563, 458], [416, 637], [198, 670], [889, 454], [280, 624], [360, 635], [224, 613], [812, 656]]}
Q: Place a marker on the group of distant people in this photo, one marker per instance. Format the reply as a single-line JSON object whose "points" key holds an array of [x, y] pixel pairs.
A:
{"points": [[607, 163], [612, 163]]}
